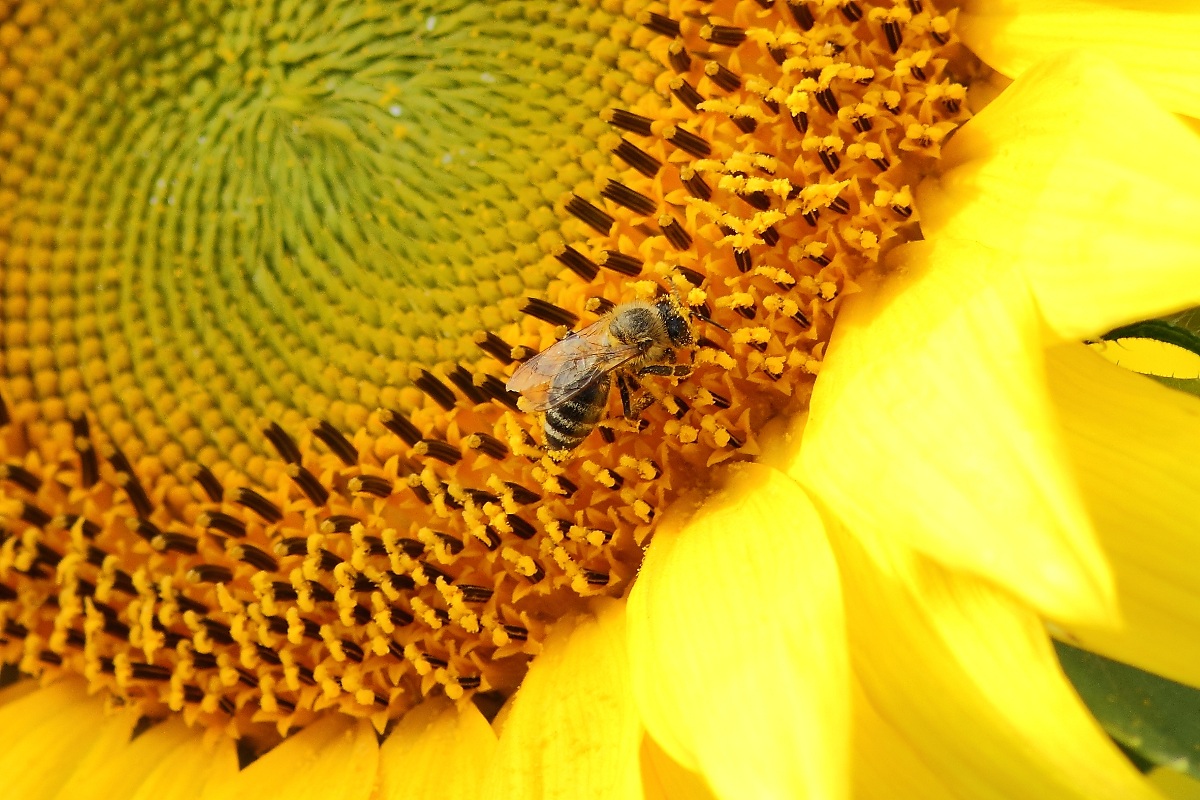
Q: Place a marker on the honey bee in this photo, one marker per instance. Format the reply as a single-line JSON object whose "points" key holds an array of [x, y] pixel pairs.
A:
{"points": [[569, 381]]}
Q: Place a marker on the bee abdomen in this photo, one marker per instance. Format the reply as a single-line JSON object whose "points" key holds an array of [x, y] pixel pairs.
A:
{"points": [[569, 424]]}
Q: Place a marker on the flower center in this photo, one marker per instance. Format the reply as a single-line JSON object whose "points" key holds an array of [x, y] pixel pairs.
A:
{"points": [[264, 276]]}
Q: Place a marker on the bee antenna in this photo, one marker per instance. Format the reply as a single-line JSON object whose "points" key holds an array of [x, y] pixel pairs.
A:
{"points": [[709, 321]]}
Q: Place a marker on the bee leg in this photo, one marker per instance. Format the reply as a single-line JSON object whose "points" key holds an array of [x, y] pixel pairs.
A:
{"points": [[669, 370], [626, 406]]}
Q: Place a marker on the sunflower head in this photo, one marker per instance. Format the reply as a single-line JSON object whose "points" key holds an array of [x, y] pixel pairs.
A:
{"points": [[268, 272]]}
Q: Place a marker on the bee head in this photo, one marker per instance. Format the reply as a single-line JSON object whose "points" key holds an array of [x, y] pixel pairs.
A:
{"points": [[675, 318]]}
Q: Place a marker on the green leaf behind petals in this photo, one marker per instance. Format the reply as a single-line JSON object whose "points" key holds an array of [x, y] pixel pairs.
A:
{"points": [[1156, 719]]}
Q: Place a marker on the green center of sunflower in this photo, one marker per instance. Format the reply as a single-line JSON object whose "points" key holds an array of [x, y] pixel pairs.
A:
{"points": [[264, 275]]}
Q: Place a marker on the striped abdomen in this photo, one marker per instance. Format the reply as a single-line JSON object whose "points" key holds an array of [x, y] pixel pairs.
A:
{"points": [[569, 424]]}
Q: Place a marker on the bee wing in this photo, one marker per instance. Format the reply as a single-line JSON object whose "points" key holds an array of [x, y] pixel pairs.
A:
{"points": [[566, 368]]}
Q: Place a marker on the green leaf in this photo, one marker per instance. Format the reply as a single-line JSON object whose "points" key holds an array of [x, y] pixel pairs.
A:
{"points": [[1189, 385], [1155, 719], [1160, 330], [1189, 320]]}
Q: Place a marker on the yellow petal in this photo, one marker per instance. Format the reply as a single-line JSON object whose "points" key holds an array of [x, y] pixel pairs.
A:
{"points": [[735, 636], [437, 750], [116, 763], [965, 674], [184, 771], [1085, 186], [572, 730], [46, 731], [930, 419], [887, 765], [1133, 445], [1154, 41], [335, 758], [664, 779]]}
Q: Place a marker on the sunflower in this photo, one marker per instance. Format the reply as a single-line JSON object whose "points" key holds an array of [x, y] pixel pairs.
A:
{"points": [[264, 496]]}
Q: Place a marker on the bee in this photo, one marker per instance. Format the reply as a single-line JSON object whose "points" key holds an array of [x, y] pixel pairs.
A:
{"points": [[569, 382]]}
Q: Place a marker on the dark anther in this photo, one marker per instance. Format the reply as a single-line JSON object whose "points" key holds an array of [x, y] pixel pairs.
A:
{"points": [[249, 554], [802, 14], [827, 101], [686, 93], [821, 260], [914, 6], [50, 657], [766, 3], [891, 29], [473, 594], [89, 465], [620, 263], [465, 383], [688, 142], [130, 483], [694, 183], [800, 120], [802, 320], [679, 238], [209, 483], [522, 495], [497, 391], [292, 546], [862, 124], [578, 263], [48, 556], [494, 346], [260, 505], [745, 124], [469, 681], [227, 705], [607, 434], [770, 237], [637, 158], [352, 651], [268, 655], [306, 674], [589, 215], [520, 527], [188, 604], [724, 35], [917, 72], [317, 494], [771, 104], [734, 441], [220, 521], [175, 543], [749, 312], [321, 594], [757, 200], [21, 477], [145, 529], [951, 105], [614, 481], [434, 661], [436, 390], [211, 573], [839, 205], [722, 76], [452, 543], [492, 540], [538, 574], [599, 305], [339, 523], [34, 515], [436, 448], [328, 561], [690, 275], [939, 37], [903, 211], [627, 121], [851, 11], [400, 425], [373, 485], [76, 638], [596, 578], [421, 493], [194, 694], [741, 257], [548, 312], [90, 529], [5, 417], [664, 26], [830, 159], [149, 672], [568, 487], [882, 163], [410, 547], [336, 441], [678, 57], [282, 443], [635, 201], [489, 445], [516, 632], [15, 629], [811, 217]]}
